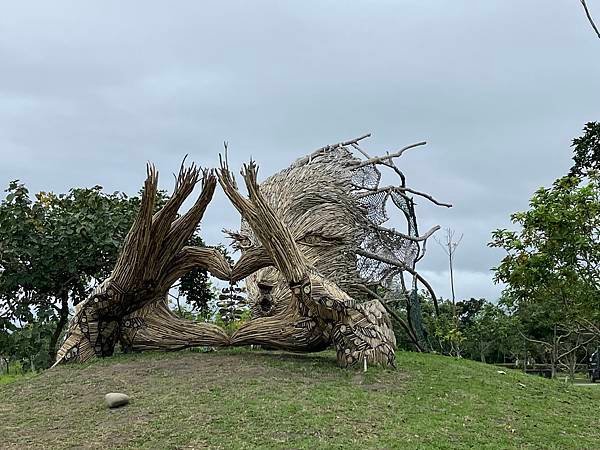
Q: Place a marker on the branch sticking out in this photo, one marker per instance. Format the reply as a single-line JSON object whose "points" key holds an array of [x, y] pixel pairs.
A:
{"points": [[402, 266], [589, 16], [421, 238], [388, 156], [401, 189], [319, 151]]}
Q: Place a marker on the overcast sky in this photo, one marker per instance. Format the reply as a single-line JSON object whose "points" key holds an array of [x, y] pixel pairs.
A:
{"points": [[90, 91]]}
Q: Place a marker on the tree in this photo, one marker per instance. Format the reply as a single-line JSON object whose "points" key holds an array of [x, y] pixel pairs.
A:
{"points": [[490, 332], [449, 245], [487, 332], [552, 266], [195, 287], [53, 247]]}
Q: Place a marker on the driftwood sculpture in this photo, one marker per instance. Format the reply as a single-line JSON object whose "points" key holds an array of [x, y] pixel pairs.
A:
{"points": [[317, 262]]}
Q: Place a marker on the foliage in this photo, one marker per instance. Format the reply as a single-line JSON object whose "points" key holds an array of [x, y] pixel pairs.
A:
{"points": [[481, 330], [552, 266], [492, 334], [232, 326], [586, 150], [444, 332], [57, 243], [196, 287], [14, 373], [52, 249], [28, 344]]}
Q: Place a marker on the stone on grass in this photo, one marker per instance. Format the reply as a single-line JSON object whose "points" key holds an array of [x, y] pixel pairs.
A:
{"points": [[115, 399]]}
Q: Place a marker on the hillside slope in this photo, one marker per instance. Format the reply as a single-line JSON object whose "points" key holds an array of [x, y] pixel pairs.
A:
{"points": [[258, 399]]}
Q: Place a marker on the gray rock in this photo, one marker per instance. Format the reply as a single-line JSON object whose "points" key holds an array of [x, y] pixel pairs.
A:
{"points": [[115, 399]]}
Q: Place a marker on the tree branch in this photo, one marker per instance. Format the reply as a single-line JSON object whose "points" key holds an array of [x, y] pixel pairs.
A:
{"points": [[389, 156], [319, 151], [535, 341], [402, 266], [576, 347], [423, 237], [589, 16], [401, 189]]}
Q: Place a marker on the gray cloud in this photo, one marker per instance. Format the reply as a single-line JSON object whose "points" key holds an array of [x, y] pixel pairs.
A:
{"points": [[90, 91]]}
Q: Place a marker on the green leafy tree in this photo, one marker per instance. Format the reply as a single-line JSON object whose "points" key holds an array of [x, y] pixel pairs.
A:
{"points": [[444, 333], [491, 334], [555, 258], [54, 247], [485, 331], [552, 266]]}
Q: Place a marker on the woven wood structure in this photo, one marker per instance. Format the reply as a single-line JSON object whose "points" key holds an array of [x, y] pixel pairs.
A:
{"points": [[317, 261], [130, 306]]}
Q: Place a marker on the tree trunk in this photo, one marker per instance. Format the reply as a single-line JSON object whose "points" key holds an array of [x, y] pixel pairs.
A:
{"points": [[415, 319], [554, 352], [572, 365], [60, 325]]}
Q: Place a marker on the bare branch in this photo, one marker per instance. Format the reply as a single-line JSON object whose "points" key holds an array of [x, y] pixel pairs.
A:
{"points": [[319, 151], [589, 16], [357, 147], [423, 237], [535, 341], [574, 348], [402, 266], [590, 327], [401, 189], [389, 156]]}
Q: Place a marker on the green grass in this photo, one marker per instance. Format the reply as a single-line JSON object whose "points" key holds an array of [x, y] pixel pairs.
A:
{"points": [[7, 378], [257, 399], [15, 373]]}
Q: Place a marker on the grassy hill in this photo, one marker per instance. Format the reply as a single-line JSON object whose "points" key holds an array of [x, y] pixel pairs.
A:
{"points": [[257, 399]]}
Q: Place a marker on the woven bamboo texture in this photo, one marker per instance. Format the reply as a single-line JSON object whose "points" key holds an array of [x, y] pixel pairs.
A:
{"points": [[314, 254]]}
